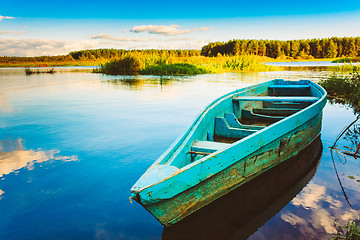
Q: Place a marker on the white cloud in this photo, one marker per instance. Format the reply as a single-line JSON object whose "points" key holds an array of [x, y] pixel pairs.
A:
{"points": [[48, 47], [41, 47], [12, 32], [5, 17], [170, 30], [203, 29], [120, 39]]}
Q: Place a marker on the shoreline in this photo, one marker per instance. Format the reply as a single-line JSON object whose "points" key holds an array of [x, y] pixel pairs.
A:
{"points": [[96, 63]]}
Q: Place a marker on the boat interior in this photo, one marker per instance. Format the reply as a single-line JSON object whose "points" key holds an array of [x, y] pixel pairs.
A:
{"points": [[244, 114]]}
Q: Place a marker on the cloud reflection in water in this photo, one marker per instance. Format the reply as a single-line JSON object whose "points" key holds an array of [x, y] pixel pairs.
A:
{"points": [[323, 211], [14, 157]]}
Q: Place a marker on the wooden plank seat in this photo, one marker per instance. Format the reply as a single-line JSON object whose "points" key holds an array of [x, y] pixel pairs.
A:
{"points": [[289, 90], [275, 111], [207, 147], [222, 129], [289, 86], [275, 99], [250, 115]]}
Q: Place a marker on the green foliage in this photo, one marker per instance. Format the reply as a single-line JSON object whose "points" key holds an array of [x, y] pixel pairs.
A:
{"points": [[343, 60], [331, 50], [293, 49], [120, 53], [350, 231], [158, 65], [248, 63], [173, 69], [346, 68], [41, 59], [344, 87], [128, 65], [94, 57]]}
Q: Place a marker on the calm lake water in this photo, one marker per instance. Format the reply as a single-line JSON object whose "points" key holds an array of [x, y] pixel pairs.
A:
{"points": [[72, 144]]}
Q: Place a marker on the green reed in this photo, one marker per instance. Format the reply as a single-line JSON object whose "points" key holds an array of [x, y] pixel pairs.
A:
{"points": [[344, 87], [29, 71], [156, 64], [350, 231]]}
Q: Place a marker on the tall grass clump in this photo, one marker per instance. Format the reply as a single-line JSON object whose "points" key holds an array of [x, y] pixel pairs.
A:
{"points": [[173, 69], [343, 60], [344, 87], [245, 63], [128, 65], [346, 68], [29, 71], [160, 64]]}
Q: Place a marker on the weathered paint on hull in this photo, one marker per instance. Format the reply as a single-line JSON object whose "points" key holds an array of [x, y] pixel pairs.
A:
{"points": [[179, 183], [172, 210], [240, 213]]}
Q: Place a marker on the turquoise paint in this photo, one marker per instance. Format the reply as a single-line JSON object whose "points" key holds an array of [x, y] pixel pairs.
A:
{"points": [[177, 172]]}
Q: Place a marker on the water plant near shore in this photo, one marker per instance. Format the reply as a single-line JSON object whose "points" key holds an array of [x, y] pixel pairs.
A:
{"points": [[173, 69], [343, 60], [346, 60], [350, 231], [346, 68], [160, 65], [128, 65], [29, 71], [345, 88]]}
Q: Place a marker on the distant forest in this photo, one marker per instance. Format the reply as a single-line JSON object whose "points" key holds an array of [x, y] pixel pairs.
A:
{"points": [[297, 49], [100, 54], [292, 49]]}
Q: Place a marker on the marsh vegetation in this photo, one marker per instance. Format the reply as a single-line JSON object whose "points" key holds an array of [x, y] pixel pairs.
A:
{"points": [[344, 87], [349, 231], [150, 64], [29, 71]]}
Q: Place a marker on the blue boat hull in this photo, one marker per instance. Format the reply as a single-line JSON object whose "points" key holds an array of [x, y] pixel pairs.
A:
{"points": [[201, 166]]}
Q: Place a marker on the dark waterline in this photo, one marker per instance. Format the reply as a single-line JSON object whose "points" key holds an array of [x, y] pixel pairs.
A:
{"points": [[73, 143]]}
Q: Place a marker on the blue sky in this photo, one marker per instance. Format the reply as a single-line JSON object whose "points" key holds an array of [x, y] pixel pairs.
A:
{"points": [[53, 27]]}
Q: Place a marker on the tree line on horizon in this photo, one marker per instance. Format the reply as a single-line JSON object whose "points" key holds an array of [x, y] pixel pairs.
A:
{"points": [[292, 49], [295, 49], [101, 54]]}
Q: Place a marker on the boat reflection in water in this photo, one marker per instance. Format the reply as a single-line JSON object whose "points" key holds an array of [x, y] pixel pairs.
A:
{"points": [[240, 213]]}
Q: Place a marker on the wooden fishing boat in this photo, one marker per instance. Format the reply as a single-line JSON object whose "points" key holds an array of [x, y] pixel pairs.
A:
{"points": [[237, 137]]}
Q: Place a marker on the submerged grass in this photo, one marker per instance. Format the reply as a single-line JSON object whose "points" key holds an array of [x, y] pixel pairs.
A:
{"points": [[350, 231], [152, 64]]}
